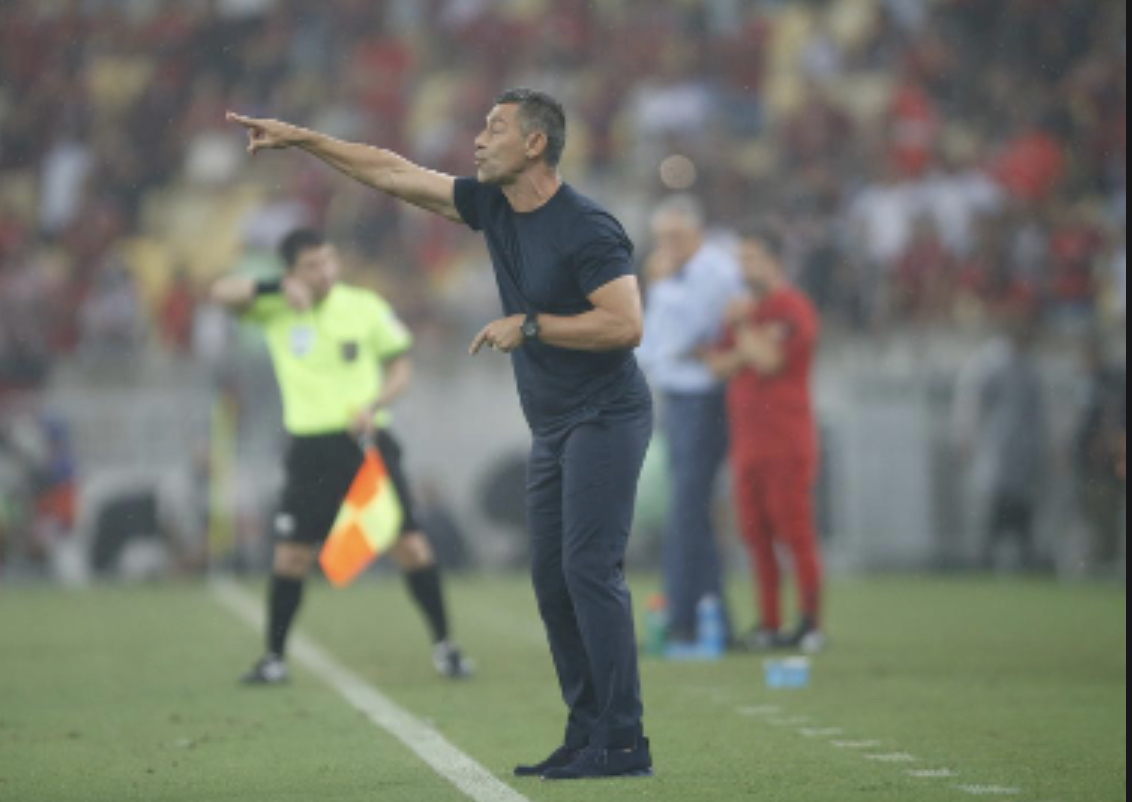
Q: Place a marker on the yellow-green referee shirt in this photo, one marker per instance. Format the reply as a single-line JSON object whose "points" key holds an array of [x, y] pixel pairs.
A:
{"points": [[329, 359]]}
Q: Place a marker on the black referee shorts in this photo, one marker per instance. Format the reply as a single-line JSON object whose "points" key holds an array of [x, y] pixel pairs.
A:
{"points": [[320, 471]]}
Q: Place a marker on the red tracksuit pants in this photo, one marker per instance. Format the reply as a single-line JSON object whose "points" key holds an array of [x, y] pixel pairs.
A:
{"points": [[776, 508]]}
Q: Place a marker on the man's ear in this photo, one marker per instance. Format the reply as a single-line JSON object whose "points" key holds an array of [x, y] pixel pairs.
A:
{"points": [[537, 144]]}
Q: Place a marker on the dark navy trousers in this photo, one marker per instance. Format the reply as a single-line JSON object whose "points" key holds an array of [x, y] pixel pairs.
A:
{"points": [[696, 427], [582, 494]]}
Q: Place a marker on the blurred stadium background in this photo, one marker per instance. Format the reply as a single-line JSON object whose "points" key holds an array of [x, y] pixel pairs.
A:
{"points": [[951, 174], [947, 171]]}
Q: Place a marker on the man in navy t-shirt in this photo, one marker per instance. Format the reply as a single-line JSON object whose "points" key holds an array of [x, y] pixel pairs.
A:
{"points": [[572, 320]]}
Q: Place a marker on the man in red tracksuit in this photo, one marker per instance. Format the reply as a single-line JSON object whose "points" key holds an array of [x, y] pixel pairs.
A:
{"points": [[768, 356]]}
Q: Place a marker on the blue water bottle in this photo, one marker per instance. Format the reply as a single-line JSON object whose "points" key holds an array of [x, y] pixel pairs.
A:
{"points": [[711, 632]]}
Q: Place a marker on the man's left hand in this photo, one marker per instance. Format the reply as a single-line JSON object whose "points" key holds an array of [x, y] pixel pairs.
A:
{"points": [[504, 335]]}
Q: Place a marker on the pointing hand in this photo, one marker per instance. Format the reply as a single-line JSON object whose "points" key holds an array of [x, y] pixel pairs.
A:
{"points": [[266, 134]]}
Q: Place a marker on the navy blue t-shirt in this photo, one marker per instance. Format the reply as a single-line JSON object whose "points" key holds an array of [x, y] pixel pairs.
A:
{"points": [[550, 261]]}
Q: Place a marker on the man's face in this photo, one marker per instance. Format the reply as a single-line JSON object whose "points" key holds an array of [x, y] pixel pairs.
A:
{"points": [[760, 268], [677, 236], [501, 149], [318, 268]]}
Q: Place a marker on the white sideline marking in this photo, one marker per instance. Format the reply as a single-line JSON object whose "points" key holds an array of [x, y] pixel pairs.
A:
{"points": [[896, 757], [472, 779], [792, 721], [989, 790], [773, 715], [819, 732]]}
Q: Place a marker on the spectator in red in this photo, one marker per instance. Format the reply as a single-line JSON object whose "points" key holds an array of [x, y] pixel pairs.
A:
{"points": [[926, 275], [1032, 166], [914, 127], [987, 280], [178, 311], [768, 355], [1075, 247]]}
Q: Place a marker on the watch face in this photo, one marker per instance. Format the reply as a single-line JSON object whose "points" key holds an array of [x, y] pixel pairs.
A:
{"points": [[530, 329]]}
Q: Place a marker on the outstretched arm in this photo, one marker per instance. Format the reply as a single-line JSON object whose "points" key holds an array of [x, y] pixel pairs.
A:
{"points": [[381, 169], [234, 293], [238, 294]]}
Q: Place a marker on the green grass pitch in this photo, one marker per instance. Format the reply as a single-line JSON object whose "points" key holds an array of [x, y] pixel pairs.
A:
{"points": [[120, 694]]}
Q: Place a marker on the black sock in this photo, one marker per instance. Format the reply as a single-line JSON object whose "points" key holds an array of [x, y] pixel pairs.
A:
{"points": [[285, 596], [424, 585]]}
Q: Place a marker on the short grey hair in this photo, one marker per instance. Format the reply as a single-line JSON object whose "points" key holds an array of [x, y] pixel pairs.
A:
{"points": [[539, 112]]}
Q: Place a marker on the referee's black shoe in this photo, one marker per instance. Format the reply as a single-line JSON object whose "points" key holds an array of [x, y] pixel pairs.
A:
{"points": [[270, 670], [562, 757], [607, 764]]}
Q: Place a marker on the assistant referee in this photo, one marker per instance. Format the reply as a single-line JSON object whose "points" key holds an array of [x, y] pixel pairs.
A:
{"points": [[573, 319], [341, 357]]}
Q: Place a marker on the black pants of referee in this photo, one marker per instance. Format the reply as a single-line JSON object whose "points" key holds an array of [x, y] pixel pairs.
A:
{"points": [[582, 494]]}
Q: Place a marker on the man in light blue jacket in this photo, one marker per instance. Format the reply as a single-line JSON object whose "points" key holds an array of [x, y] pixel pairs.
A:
{"points": [[691, 283]]}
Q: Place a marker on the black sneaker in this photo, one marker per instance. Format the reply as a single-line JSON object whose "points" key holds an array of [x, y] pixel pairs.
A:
{"points": [[604, 764], [270, 670], [451, 663], [813, 641], [808, 638], [562, 757]]}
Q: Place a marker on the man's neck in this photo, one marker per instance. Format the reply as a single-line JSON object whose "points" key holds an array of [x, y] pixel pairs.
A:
{"points": [[533, 189]]}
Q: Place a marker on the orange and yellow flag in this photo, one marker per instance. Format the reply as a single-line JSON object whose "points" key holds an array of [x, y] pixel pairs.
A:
{"points": [[367, 526]]}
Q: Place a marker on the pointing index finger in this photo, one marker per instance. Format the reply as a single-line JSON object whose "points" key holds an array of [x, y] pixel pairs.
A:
{"points": [[478, 343]]}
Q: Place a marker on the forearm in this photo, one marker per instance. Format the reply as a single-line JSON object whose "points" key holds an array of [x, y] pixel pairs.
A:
{"points": [[725, 365], [398, 379], [234, 293], [598, 331], [385, 171], [762, 351], [369, 165]]}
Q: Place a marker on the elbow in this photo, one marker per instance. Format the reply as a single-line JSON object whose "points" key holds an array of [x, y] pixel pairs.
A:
{"points": [[634, 335], [406, 370]]}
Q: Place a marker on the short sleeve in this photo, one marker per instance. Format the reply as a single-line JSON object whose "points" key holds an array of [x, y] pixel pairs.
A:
{"points": [[470, 196], [605, 256], [265, 309], [391, 337]]}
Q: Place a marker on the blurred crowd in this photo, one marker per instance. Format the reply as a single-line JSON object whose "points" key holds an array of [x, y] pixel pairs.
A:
{"points": [[936, 163]]}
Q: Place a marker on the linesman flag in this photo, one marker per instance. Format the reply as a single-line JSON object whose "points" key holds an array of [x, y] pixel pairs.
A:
{"points": [[368, 524]]}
